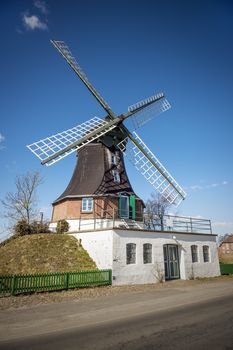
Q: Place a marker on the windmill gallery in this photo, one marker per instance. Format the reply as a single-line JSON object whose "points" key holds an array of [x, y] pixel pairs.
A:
{"points": [[105, 213]]}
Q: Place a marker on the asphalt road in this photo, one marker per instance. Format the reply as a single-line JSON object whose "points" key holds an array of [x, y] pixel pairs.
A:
{"points": [[192, 319]]}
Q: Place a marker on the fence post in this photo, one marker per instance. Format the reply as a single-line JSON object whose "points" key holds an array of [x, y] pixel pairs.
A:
{"points": [[67, 280], [110, 276], [13, 285]]}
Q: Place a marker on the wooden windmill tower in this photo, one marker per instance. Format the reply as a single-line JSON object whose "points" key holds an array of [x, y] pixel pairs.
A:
{"points": [[100, 183]]}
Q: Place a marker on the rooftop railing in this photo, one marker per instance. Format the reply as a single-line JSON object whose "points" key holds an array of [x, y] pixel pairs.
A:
{"points": [[177, 223], [145, 221]]}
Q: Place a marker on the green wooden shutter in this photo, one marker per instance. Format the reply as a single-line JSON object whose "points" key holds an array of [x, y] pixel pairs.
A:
{"points": [[132, 207]]}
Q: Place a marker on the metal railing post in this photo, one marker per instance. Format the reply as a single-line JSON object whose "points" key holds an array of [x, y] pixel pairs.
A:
{"points": [[79, 223], [94, 221], [113, 218], [191, 222]]}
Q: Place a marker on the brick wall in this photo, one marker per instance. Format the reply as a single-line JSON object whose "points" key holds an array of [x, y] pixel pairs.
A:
{"points": [[71, 209], [104, 207]]}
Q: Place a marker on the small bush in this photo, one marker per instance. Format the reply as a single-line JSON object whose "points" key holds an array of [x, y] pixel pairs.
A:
{"points": [[62, 226], [22, 228], [158, 272], [39, 227]]}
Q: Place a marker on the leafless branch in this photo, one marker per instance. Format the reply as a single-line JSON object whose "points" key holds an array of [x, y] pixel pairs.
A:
{"points": [[22, 204]]}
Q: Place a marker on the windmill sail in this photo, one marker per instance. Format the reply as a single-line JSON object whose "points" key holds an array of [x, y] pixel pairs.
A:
{"points": [[66, 53], [151, 168], [147, 109], [51, 149]]}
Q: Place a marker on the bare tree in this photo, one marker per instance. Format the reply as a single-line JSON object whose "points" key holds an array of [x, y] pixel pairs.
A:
{"points": [[22, 204], [222, 237], [156, 207]]}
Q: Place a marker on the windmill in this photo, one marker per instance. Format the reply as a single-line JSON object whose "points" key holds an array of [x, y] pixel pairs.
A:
{"points": [[100, 141]]}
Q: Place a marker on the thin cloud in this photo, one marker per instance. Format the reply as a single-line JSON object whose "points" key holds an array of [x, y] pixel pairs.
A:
{"points": [[33, 22], [213, 185], [36, 21], [222, 224], [196, 187], [42, 6], [2, 138], [19, 31]]}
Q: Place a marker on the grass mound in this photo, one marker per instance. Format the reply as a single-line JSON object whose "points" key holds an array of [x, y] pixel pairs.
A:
{"points": [[41, 253]]}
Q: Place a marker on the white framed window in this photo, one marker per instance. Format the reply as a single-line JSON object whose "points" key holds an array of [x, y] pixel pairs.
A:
{"points": [[116, 176], [115, 158], [206, 253], [147, 253], [87, 204], [194, 252], [130, 253]]}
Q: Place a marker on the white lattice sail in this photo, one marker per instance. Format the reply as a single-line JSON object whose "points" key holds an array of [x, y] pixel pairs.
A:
{"points": [[156, 175], [67, 55], [54, 144], [148, 109]]}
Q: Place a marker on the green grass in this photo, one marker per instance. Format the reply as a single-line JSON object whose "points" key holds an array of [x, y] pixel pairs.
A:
{"points": [[226, 269], [41, 253]]}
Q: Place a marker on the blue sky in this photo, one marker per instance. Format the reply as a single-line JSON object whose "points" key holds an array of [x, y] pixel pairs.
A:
{"points": [[129, 51]]}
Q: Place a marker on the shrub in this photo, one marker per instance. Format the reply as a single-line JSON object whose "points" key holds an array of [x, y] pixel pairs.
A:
{"points": [[62, 226], [22, 228], [39, 227]]}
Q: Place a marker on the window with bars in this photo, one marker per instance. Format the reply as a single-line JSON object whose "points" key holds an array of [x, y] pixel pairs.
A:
{"points": [[147, 253], [206, 253], [130, 253], [194, 252], [87, 204]]}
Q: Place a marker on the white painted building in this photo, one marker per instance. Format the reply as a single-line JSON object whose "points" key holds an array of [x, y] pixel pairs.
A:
{"points": [[138, 256]]}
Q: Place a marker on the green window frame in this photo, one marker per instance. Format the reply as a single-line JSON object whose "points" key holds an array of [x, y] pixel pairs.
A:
{"points": [[123, 206]]}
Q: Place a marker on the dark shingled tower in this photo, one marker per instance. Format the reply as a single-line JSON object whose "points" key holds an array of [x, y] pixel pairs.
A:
{"points": [[100, 174], [93, 174]]}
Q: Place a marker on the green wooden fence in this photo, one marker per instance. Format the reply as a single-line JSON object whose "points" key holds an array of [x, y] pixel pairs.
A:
{"points": [[226, 269], [18, 284]]}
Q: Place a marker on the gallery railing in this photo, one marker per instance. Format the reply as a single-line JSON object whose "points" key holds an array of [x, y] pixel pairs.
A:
{"points": [[145, 221]]}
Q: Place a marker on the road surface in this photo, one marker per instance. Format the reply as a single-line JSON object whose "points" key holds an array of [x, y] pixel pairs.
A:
{"points": [[195, 317]]}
